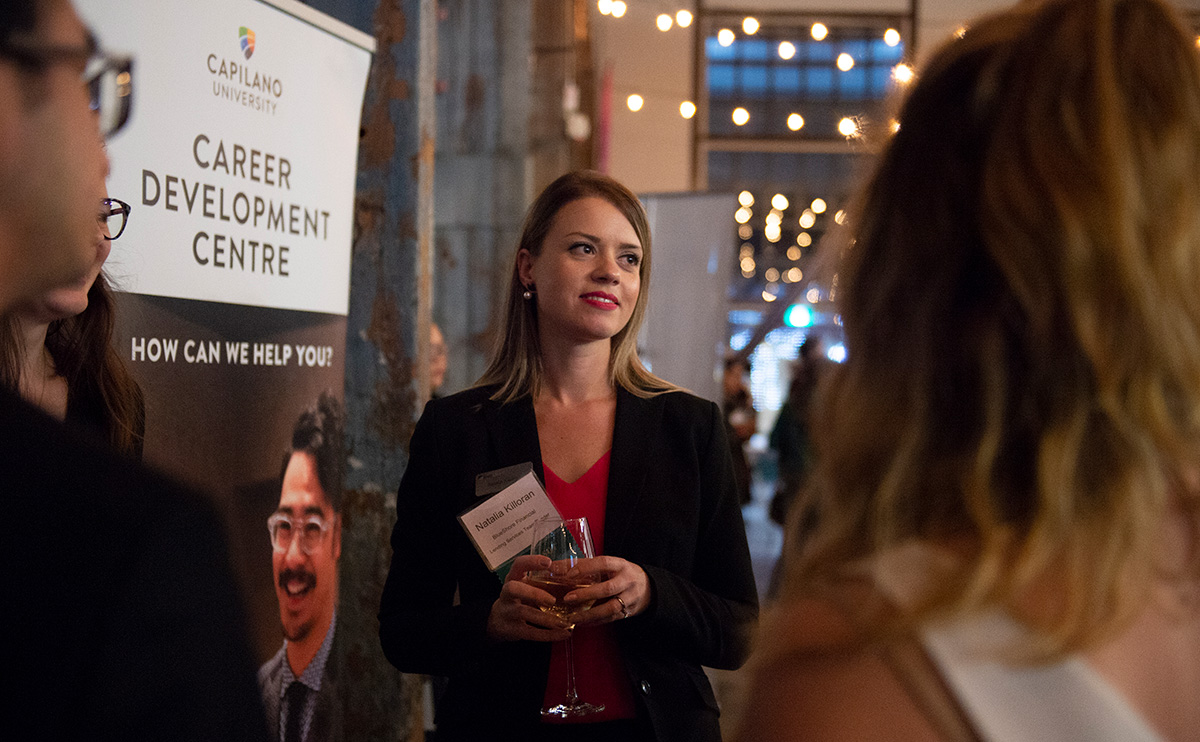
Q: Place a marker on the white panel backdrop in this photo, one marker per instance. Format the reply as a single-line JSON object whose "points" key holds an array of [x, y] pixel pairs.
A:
{"points": [[685, 333]]}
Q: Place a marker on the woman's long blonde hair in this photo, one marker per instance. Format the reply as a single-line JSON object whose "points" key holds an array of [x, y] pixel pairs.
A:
{"points": [[1021, 299], [516, 360]]}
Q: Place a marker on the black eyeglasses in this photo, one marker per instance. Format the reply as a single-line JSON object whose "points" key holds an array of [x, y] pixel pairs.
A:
{"points": [[114, 215], [108, 77]]}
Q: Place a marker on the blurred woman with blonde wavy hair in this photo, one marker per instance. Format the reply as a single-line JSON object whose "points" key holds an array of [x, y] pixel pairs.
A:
{"points": [[1009, 459]]}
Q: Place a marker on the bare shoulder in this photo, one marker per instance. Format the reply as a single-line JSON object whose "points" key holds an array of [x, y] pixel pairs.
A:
{"points": [[813, 678]]}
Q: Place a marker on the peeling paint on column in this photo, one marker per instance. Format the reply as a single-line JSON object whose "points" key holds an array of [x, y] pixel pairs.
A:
{"points": [[389, 296], [393, 410]]}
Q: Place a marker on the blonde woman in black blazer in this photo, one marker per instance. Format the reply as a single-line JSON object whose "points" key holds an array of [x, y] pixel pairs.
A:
{"points": [[565, 387]]}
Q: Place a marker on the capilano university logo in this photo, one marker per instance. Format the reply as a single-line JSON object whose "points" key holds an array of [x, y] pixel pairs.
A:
{"points": [[239, 83], [246, 39]]}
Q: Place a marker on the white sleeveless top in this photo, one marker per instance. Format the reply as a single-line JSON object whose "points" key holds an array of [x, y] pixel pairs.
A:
{"points": [[1064, 702]]}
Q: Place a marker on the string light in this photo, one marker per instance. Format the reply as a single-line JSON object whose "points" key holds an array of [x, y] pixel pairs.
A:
{"points": [[635, 102], [794, 275], [742, 215], [779, 201], [664, 22], [605, 6], [847, 127], [687, 109], [795, 121], [772, 232], [683, 18], [903, 73], [740, 116], [771, 274], [840, 217], [745, 231], [618, 9], [767, 295], [746, 198], [793, 253], [818, 206], [845, 62], [819, 31], [725, 37], [891, 37], [807, 219], [787, 50], [774, 218], [804, 239], [750, 25], [813, 295]]}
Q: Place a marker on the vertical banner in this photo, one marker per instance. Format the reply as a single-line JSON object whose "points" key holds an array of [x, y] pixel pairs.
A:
{"points": [[239, 160]]}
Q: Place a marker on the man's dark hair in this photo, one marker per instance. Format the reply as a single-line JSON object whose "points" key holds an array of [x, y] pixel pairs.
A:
{"points": [[320, 431], [19, 17]]}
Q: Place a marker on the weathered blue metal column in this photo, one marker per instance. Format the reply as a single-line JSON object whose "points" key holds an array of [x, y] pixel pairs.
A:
{"points": [[385, 354]]}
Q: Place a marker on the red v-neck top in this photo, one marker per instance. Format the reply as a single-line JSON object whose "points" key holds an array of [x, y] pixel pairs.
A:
{"points": [[600, 675]]}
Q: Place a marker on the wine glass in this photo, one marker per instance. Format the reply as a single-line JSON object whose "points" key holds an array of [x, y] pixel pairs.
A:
{"points": [[565, 541]]}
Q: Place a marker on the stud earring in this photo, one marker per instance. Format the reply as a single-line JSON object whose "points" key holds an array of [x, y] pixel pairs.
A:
{"points": [[528, 294]]}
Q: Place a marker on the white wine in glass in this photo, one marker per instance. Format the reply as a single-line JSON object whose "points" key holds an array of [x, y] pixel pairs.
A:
{"points": [[565, 541]]}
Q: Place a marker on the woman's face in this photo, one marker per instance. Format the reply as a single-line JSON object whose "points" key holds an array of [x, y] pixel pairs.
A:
{"points": [[71, 299], [588, 274]]}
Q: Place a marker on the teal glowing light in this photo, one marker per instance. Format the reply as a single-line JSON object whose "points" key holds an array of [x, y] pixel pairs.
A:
{"points": [[798, 315]]}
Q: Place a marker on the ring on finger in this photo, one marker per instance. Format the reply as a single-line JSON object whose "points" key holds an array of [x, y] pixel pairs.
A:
{"points": [[624, 610]]}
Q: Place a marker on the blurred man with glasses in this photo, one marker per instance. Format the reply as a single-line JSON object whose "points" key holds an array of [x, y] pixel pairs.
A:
{"points": [[122, 617], [298, 684]]}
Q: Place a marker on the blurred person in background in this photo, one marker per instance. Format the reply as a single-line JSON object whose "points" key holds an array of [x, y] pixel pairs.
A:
{"points": [[790, 436], [740, 421], [438, 360]]}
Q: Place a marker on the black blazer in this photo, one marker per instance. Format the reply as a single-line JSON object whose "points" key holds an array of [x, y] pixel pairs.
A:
{"points": [[122, 615], [672, 509]]}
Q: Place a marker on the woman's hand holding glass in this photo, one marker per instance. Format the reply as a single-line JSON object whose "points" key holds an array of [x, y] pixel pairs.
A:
{"points": [[518, 613], [620, 589]]}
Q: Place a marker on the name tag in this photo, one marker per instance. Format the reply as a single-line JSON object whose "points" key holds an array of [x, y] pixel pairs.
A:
{"points": [[500, 526]]}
